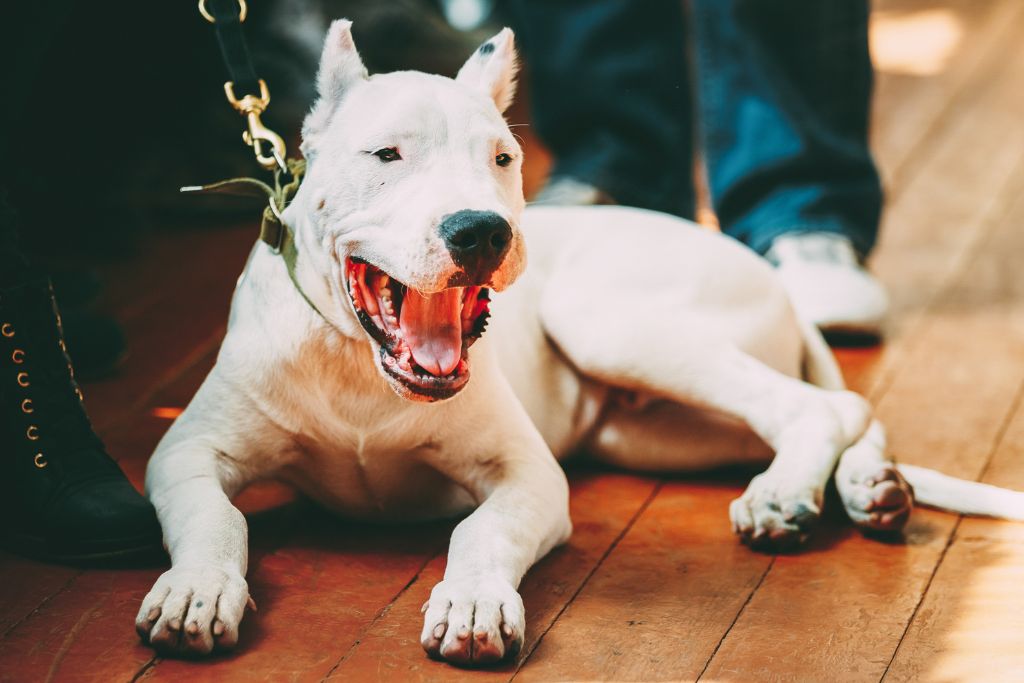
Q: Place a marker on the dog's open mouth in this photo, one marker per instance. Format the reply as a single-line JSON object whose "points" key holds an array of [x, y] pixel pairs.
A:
{"points": [[423, 338]]}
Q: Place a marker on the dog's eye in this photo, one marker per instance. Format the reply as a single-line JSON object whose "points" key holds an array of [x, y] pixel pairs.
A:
{"points": [[388, 154], [503, 159]]}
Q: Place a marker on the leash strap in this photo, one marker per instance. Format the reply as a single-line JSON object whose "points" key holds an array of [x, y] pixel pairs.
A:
{"points": [[227, 17], [246, 92]]}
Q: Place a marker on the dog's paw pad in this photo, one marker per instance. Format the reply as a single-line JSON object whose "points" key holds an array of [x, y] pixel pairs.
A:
{"points": [[192, 610], [473, 622], [881, 500], [774, 517]]}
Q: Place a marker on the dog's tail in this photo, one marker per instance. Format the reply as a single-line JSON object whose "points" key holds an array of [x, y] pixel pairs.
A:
{"points": [[931, 488], [820, 366], [942, 491]]}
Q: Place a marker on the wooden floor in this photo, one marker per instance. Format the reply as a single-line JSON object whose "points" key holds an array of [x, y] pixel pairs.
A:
{"points": [[653, 585]]}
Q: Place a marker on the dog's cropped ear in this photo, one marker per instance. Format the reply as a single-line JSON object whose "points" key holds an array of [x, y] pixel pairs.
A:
{"points": [[340, 69], [492, 69]]}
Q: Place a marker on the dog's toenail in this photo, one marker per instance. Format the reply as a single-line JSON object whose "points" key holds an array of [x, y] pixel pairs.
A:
{"points": [[426, 606], [438, 631], [480, 637], [801, 515], [507, 630], [174, 624], [218, 628], [193, 628], [153, 614], [463, 633]]}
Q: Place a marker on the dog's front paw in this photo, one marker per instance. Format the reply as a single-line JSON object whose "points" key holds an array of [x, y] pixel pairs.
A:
{"points": [[876, 497], [473, 621], [191, 610], [772, 514]]}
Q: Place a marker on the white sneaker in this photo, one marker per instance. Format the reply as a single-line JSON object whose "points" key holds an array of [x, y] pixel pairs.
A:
{"points": [[566, 191], [827, 283]]}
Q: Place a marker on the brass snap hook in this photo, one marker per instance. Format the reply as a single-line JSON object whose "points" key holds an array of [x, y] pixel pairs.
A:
{"points": [[7, 330], [23, 379], [258, 136], [26, 406], [18, 356], [40, 461], [32, 433]]}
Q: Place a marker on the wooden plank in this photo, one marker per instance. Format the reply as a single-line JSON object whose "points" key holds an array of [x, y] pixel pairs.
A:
{"points": [[25, 585], [970, 625], [910, 108], [660, 603], [602, 506], [79, 625], [86, 633], [972, 618], [317, 594], [940, 214], [944, 408]]}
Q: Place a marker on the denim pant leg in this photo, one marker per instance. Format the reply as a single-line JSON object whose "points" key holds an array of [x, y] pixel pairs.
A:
{"points": [[784, 92], [610, 94]]}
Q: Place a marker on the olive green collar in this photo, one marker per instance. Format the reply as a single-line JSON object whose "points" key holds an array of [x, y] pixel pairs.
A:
{"points": [[274, 232]]}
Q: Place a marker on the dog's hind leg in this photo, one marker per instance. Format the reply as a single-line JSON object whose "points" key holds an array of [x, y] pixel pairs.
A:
{"points": [[807, 427], [874, 493]]}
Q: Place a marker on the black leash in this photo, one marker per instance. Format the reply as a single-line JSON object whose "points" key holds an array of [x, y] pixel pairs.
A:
{"points": [[246, 92], [227, 17]]}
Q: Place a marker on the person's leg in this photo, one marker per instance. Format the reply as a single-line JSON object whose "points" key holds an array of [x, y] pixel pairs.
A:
{"points": [[61, 495], [784, 98], [610, 94]]}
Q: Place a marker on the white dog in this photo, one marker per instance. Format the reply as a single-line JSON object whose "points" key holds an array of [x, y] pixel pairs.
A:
{"points": [[634, 336]]}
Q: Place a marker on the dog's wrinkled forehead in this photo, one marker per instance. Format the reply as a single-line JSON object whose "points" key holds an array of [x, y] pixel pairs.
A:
{"points": [[415, 109], [410, 104]]}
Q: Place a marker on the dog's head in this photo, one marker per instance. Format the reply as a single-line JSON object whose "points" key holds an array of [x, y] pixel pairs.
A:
{"points": [[412, 200]]}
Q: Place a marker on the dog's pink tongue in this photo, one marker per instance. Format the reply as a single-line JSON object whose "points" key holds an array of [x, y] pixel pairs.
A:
{"points": [[432, 327]]}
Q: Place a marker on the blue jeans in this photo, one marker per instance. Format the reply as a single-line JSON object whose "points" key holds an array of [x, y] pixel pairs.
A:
{"points": [[775, 93]]}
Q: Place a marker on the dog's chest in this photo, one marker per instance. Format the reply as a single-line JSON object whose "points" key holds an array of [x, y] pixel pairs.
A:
{"points": [[377, 472]]}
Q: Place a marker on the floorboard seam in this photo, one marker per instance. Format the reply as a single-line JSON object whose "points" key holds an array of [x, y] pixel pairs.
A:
{"points": [[739, 613], [586, 579], [924, 594], [1000, 435], [146, 668], [67, 584], [380, 615]]}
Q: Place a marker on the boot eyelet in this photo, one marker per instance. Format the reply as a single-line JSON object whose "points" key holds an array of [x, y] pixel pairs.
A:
{"points": [[40, 460], [26, 406], [32, 433], [18, 356], [23, 379], [7, 330]]}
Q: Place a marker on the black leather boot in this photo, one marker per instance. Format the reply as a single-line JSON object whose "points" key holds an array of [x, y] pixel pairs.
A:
{"points": [[62, 497]]}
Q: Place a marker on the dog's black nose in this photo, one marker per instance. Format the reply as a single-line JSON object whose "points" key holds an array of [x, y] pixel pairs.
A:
{"points": [[477, 241]]}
